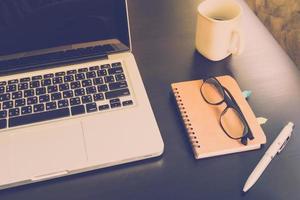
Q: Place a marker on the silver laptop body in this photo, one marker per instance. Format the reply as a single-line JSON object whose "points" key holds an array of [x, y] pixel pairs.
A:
{"points": [[110, 131]]}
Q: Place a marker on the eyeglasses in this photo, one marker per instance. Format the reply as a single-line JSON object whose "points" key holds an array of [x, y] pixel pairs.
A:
{"points": [[232, 120]]}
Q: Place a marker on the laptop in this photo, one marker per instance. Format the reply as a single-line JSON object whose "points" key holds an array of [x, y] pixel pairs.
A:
{"points": [[71, 96]]}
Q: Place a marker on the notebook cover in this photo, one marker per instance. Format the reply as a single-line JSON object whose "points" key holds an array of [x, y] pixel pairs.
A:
{"points": [[202, 120]]}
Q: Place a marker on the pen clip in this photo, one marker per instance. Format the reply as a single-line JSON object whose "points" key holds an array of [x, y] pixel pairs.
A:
{"points": [[283, 145]]}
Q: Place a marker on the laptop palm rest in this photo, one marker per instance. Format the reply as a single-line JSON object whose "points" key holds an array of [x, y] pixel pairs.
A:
{"points": [[42, 151]]}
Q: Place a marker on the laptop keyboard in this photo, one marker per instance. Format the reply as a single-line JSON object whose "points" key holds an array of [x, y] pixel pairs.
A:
{"points": [[63, 94]]}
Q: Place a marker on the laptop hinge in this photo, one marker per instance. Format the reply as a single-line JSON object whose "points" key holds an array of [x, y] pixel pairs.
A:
{"points": [[6, 70]]}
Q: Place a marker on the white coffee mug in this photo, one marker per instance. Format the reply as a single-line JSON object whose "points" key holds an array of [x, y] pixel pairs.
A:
{"points": [[218, 31]]}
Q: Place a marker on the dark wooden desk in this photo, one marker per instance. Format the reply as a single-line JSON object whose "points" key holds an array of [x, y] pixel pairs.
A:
{"points": [[163, 44]]}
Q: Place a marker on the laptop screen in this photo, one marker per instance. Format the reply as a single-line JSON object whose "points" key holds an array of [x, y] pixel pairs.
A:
{"points": [[28, 25]]}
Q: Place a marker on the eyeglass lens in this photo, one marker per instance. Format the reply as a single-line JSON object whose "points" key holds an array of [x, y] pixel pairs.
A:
{"points": [[232, 123], [212, 91]]}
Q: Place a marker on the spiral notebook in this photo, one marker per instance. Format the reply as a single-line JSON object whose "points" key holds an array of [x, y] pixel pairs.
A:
{"points": [[202, 120]]}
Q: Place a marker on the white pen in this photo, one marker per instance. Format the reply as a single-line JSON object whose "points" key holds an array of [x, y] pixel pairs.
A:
{"points": [[276, 147]]}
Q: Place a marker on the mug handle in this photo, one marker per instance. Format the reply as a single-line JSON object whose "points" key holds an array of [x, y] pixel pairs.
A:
{"points": [[237, 43]]}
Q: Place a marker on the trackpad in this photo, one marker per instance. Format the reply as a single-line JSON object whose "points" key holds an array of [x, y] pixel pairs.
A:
{"points": [[46, 149]]}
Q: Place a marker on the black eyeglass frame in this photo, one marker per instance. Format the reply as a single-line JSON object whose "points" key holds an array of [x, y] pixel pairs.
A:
{"points": [[230, 102]]}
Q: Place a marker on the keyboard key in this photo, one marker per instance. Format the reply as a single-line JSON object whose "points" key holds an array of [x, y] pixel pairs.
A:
{"points": [[118, 85], [116, 70], [2, 89], [3, 123], [39, 108], [52, 88], [60, 73], [104, 107], [40, 91], [91, 74], [29, 93], [102, 72], [83, 70], [39, 77], [87, 99], [23, 86], [26, 110], [46, 82], [109, 79], [127, 103], [114, 103], [32, 100], [44, 98], [102, 88], [63, 103], [68, 94], [7, 105], [77, 110], [69, 78], [98, 81], [75, 85], [38, 117], [71, 72], [57, 80], [11, 88], [74, 101], [117, 64], [116, 100], [117, 93], [14, 81], [91, 107], [34, 84], [56, 96], [20, 102], [120, 77], [14, 112], [64, 86], [80, 76], [91, 90], [98, 97], [49, 75], [17, 95], [2, 82], [105, 66], [79, 92], [86, 83], [5, 97], [27, 79], [51, 106], [93, 68], [3, 114]]}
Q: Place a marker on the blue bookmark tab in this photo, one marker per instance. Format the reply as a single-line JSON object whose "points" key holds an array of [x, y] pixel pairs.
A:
{"points": [[247, 93]]}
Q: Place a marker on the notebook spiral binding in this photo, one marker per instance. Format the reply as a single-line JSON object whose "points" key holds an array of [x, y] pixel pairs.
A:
{"points": [[192, 136]]}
